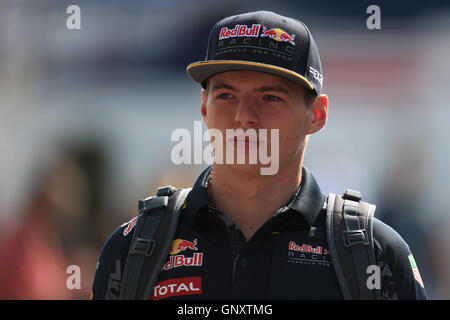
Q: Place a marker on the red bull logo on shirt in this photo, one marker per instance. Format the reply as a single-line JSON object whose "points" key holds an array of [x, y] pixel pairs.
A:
{"points": [[130, 225], [179, 245], [181, 260], [307, 248], [308, 254]]}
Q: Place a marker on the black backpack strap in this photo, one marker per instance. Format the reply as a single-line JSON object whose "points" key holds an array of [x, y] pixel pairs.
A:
{"points": [[153, 235], [350, 239]]}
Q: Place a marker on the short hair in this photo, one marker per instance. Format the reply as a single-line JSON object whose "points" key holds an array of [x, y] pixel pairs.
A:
{"points": [[310, 96]]}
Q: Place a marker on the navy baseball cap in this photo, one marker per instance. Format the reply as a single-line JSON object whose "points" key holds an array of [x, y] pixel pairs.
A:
{"points": [[261, 41]]}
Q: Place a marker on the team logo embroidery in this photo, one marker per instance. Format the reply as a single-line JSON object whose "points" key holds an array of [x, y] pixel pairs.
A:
{"points": [[415, 270], [179, 245], [179, 260], [278, 34], [130, 225], [307, 254], [246, 39], [177, 287], [239, 31]]}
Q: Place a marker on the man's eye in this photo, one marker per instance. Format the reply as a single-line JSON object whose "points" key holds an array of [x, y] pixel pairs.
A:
{"points": [[272, 98], [225, 96]]}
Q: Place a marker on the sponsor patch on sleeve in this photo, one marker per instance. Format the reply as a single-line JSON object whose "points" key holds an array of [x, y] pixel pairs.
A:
{"points": [[415, 270], [130, 225]]}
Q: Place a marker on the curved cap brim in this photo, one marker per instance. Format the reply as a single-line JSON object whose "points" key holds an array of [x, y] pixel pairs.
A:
{"points": [[202, 70]]}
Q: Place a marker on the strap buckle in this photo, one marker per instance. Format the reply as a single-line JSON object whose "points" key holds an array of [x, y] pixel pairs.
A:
{"points": [[355, 237], [165, 191], [352, 195], [143, 246], [153, 203]]}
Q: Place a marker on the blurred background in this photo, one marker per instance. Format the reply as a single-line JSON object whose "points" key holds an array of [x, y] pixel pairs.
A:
{"points": [[86, 118]]}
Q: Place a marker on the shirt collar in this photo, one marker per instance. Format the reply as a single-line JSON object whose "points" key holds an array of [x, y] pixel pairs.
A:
{"points": [[198, 197], [308, 200]]}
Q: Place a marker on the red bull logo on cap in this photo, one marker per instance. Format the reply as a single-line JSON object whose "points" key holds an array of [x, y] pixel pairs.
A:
{"points": [[278, 34], [179, 245], [240, 31]]}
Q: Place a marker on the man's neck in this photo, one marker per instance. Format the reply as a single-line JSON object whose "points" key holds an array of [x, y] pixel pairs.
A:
{"points": [[251, 199]]}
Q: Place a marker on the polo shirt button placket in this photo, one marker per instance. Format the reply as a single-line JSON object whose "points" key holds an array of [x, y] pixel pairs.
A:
{"points": [[243, 263], [235, 236]]}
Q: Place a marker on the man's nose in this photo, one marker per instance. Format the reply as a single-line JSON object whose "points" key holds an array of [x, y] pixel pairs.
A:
{"points": [[246, 114]]}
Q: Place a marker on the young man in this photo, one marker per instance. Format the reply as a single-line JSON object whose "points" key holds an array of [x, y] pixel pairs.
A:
{"points": [[246, 235]]}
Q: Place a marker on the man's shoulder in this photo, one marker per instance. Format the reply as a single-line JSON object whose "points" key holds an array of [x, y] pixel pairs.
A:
{"points": [[391, 246], [121, 237], [394, 254], [118, 243], [112, 261], [388, 239]]}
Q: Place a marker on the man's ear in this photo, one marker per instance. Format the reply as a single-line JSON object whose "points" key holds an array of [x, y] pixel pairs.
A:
{"points": [[203, 109], [319, 114]]}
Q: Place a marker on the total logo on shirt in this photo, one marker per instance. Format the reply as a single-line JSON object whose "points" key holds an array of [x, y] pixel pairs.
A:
{"points": [[177, 287]]}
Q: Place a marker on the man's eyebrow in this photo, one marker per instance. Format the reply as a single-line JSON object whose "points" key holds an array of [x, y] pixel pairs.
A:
{"points": [[272, 88], [222, 85]]}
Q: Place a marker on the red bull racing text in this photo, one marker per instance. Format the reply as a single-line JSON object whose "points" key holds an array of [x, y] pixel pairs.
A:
{"points": [[239, 31]]}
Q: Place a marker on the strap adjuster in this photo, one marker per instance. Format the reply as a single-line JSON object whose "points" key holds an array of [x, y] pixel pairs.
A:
{"points": [[153, 203], [355, 237], [165, 191], [143, 246], [352, 195]]}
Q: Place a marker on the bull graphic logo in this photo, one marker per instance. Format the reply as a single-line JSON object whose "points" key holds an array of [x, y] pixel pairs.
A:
{"points": [[179, 245], [278, 34]]}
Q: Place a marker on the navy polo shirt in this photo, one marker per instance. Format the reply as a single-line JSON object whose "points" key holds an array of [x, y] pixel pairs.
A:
{"points": [[287, 258]]}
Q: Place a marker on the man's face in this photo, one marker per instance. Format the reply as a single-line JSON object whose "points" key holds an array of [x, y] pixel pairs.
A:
{"points": [[256, 100]]}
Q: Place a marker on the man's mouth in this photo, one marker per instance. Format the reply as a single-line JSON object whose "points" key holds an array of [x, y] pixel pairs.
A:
{"points": [[246, 140]]}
